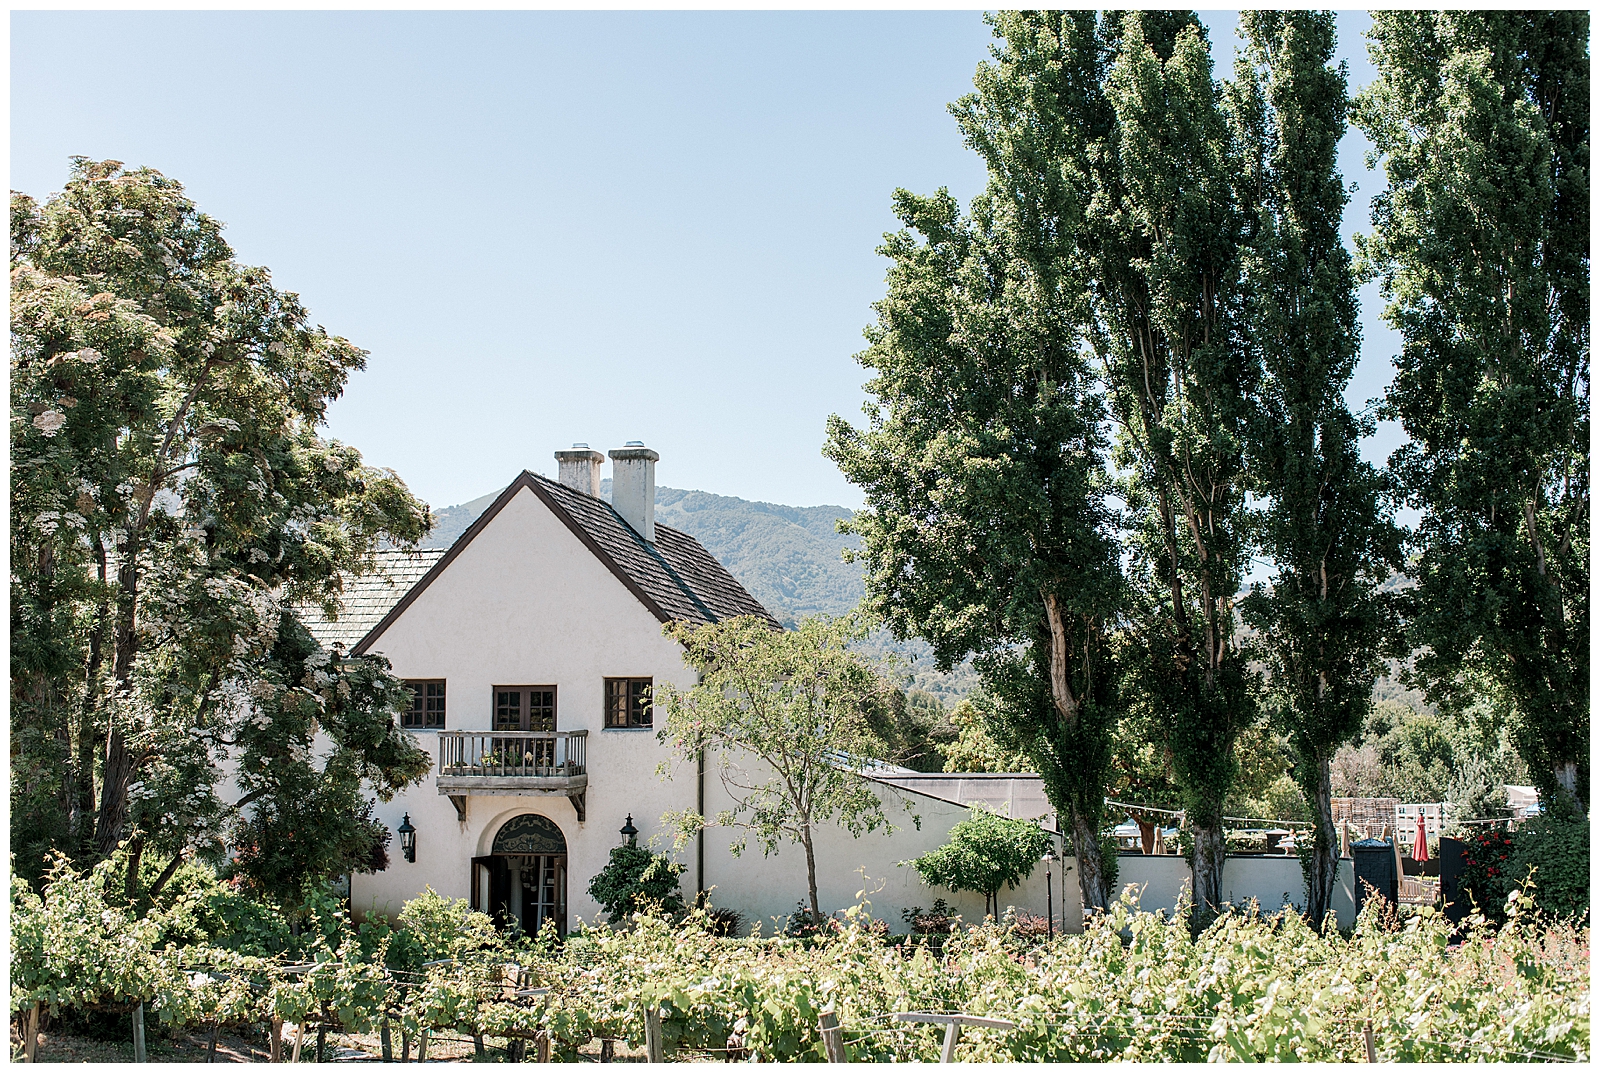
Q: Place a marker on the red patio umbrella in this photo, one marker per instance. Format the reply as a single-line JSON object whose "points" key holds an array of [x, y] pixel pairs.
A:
{"points": [[1419, 852]]}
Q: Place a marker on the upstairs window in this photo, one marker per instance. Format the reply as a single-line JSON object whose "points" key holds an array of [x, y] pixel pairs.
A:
{"points": [[628, 702], [427, 704]]}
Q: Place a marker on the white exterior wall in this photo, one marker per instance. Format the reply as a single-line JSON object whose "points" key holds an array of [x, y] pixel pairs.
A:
{"points": [[851, 870], [1269, 880], [525, 603]]}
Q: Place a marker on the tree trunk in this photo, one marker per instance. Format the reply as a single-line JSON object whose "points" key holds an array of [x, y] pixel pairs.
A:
{"points": [[135, 855], [118, 772], [1567, 782], [811, 874], [1091, 870], [1324, 871], [1210, 850]]}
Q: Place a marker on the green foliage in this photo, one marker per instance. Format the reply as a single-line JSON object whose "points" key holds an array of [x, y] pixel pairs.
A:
{"points": [[432, 927], [1133, 986], [1322, 619], [1486, 876], [1464, 757], [797, 702], [1551, 854], [172, 502], [986, 530], [1481, 241], [635, 880], [1167, 270], [975, 748], [985, 853]]}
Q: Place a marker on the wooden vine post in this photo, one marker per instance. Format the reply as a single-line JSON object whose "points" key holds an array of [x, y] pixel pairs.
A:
{"points": [[953, 1023], [30, 1034], [832, 1037], [138, 1032], [654, 1051], [299, 1038]]}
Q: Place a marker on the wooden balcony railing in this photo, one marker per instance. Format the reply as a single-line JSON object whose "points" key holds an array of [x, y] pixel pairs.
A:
{"points": [[509, 754]]}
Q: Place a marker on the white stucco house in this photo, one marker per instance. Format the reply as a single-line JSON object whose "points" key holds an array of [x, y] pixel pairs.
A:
{"points": [[531, 646]]}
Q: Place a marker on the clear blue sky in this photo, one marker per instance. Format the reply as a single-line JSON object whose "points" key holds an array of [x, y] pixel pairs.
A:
{"points": [[549, 227]]}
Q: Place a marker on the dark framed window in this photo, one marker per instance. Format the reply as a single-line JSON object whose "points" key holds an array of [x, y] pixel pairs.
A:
{"points": [[628, 702], [524, 707], [427, 704]]}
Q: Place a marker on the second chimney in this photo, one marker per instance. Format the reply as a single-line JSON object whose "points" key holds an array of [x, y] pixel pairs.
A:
{"points": [[580, 469], [633, 487]]}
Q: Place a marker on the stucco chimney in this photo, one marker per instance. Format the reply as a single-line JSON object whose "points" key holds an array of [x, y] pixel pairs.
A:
{"points": [[580, 469], [633, 487]]}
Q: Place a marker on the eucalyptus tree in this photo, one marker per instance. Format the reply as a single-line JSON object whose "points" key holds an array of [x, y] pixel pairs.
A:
{"points": [[171, 503], [1481, 119], [986, 528], [1321, 622], [1166, 280]]}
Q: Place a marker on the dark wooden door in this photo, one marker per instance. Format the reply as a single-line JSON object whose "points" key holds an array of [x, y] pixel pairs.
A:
{"points": [[491, 888]]}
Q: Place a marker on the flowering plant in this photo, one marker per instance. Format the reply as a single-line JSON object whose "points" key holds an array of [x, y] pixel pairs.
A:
{"points": [[1486, 873]]}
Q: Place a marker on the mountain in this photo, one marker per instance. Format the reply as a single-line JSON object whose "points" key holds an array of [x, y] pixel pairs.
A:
{"points": [[790, 558]]}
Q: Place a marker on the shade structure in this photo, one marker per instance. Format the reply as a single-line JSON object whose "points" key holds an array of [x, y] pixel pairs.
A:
{"points": [[1419, 852]]}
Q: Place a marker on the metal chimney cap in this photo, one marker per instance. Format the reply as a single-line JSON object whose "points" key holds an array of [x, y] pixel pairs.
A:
{"points": [[580, 447], [634, 443]]}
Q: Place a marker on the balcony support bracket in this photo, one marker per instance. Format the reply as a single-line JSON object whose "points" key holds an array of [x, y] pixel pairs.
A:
{"points": [[579, 803], [460, 802]]}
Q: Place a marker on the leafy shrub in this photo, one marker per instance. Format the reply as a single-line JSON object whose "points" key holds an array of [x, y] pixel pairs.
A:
{"points": [[986, 852], [936, 921], [432, 927], [635, 880], [1027, 926], [1557, 850], [1486, 871]]}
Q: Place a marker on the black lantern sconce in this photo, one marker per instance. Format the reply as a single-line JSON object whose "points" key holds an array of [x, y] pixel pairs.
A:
{"points": [[408, 839], [629, 832]]}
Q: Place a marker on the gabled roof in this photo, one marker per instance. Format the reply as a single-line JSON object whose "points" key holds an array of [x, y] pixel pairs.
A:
{"points": [[676, 579], [367, 598]]}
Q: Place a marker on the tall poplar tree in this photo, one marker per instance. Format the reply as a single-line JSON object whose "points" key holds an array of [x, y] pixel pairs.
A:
{"points": [[1481, 119], [1166, 268], [1321, 623], [986, 528]]}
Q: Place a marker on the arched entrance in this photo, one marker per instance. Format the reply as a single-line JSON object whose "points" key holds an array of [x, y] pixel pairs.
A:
{"points": [[524, 879]]}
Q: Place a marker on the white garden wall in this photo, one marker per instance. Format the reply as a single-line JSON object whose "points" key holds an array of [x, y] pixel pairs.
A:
{"points": [[1270, 881]]}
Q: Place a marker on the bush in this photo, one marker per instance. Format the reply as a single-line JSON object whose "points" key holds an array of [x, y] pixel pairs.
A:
{"points": [[1485, 871], [985, 853], [1556, 850], [636, 880], [939, 920]]}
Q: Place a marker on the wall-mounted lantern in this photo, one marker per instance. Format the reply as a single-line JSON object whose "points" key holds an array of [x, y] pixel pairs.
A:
{"points": [[630, 833], [408, 839]]}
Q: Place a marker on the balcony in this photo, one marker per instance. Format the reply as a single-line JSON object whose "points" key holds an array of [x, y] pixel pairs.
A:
{"points": [[533, 763]]}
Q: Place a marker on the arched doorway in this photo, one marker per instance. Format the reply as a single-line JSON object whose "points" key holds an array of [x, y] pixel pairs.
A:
{"points": [[523, 881]]}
